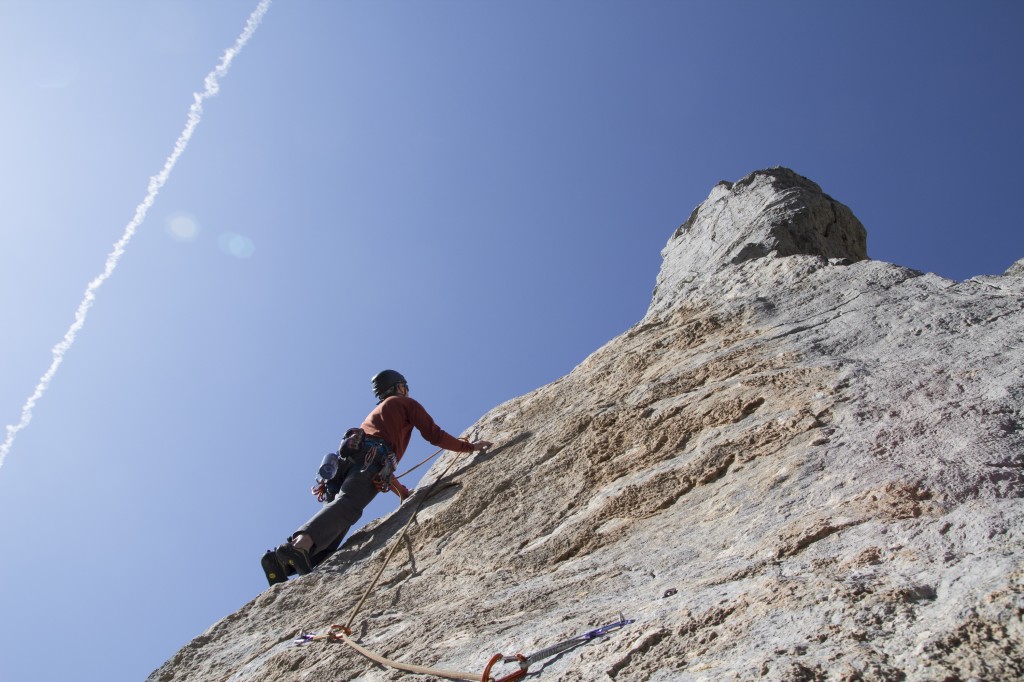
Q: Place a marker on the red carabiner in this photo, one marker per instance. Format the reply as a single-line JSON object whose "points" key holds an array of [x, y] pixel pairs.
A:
{"points": [[507, 678]]}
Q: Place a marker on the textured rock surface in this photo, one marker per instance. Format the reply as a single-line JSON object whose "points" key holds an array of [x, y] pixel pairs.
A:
{"points": [[800, 464], [774, 211], [1017, 269]]}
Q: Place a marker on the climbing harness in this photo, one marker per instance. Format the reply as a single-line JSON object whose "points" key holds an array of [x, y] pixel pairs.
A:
{"points": [[354, 439], [384, 478]]}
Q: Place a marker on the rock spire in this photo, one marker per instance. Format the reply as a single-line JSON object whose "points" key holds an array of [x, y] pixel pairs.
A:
{"points": [[769, 212]]}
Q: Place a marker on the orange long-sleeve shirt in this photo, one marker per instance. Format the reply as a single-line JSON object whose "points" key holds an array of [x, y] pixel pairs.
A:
{"points": [[394, 418]]}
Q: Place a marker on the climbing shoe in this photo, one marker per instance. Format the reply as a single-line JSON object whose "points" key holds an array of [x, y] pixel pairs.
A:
{"points": [[289, 554], [273, 568]]}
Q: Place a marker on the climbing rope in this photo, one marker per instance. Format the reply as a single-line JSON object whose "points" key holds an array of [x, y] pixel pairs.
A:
{"points": [[405, 529], [409, 471], [340, 633], [343, 633]]}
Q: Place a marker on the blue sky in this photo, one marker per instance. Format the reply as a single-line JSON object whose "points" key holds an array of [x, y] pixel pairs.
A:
{"points": [[474, 193]]}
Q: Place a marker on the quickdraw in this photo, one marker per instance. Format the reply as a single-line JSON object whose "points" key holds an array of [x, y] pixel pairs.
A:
{"points": [[334, 634], [555, 649]]}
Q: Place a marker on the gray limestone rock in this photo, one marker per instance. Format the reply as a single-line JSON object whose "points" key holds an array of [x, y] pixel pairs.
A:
{"points": [[1016, 270], [772, 211], [799, 465]]}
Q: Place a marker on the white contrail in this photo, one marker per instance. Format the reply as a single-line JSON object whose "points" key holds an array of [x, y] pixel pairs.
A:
{"points": [[156, 182]]}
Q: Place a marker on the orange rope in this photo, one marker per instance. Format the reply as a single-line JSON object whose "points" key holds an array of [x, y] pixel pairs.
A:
{"points": [[405, 530], [421, 463], [410, 668], [342, 633]]}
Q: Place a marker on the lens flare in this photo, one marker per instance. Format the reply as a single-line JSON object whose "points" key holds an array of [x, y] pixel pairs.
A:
{"points": [[236, 245], [182, 227]]}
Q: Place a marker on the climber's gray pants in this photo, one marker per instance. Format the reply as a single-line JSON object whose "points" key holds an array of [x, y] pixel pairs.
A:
{"points": [[329, 525]]}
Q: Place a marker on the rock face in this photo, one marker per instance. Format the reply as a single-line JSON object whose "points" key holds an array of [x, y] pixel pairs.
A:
{"points": [[799, 465]]}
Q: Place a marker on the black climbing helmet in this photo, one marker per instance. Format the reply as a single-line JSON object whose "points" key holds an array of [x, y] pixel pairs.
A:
{"points": [[384, 382]]}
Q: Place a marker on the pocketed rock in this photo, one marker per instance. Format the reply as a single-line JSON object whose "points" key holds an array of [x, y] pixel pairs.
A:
{"points": [[800, 464]]}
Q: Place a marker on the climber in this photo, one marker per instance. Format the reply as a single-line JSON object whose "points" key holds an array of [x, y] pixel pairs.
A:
{"points": [[387, 429]]}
